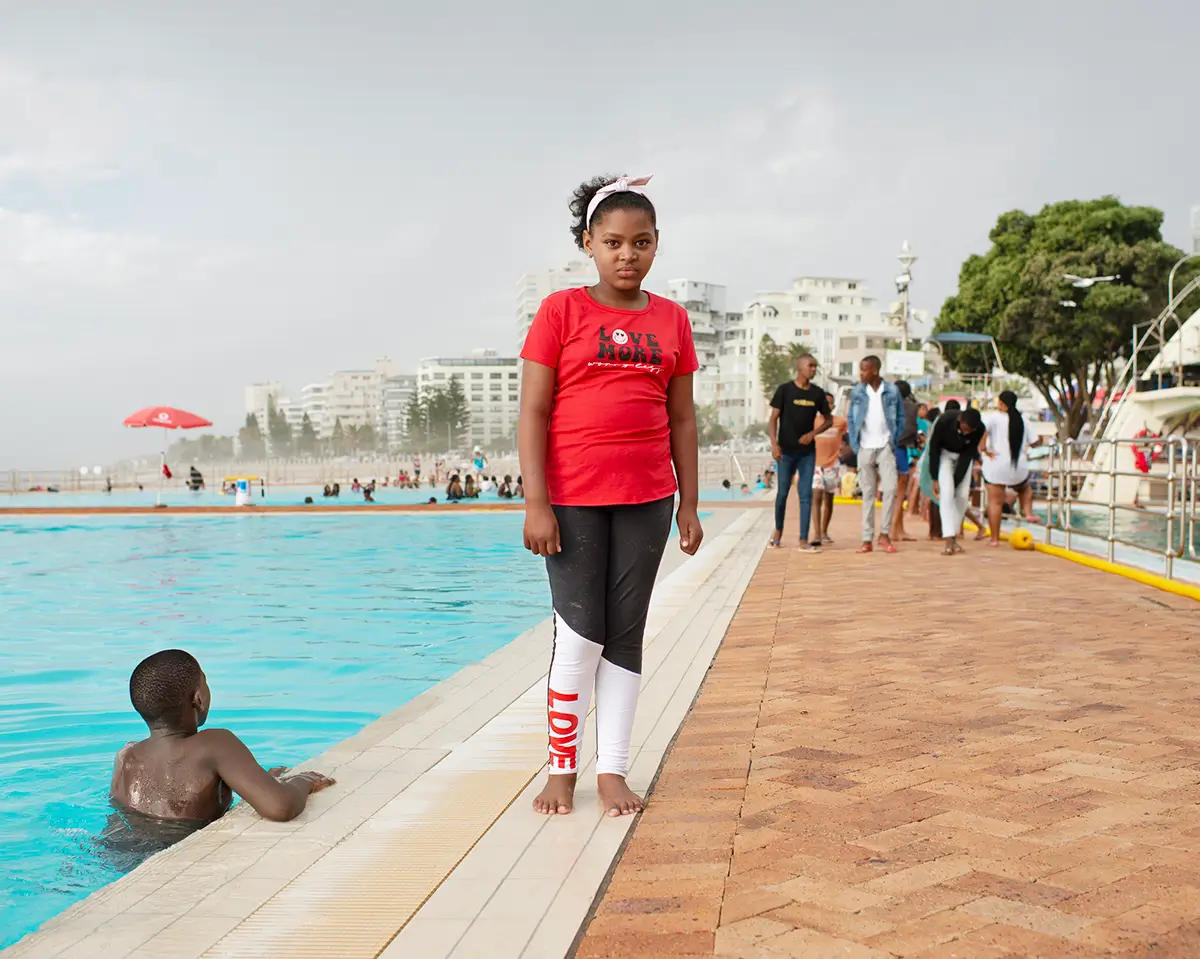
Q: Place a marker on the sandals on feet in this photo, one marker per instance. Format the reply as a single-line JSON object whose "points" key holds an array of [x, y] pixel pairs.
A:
{"points": [[885, 546], [865, 548]]}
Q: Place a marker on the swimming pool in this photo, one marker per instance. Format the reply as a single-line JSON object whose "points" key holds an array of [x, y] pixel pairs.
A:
{"points": [[309, 627]]}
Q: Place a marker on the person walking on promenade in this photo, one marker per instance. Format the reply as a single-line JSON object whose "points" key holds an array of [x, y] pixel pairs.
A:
{"points": [[1005, 450], [606, 435], [950, 452], [793, 428], [875, 422], [827, 476], [905, 448]]}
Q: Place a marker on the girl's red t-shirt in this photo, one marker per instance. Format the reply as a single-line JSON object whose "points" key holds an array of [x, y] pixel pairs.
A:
{"points": [[609, 441]]}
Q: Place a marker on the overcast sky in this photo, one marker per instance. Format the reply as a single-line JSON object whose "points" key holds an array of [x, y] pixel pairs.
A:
{"points": [[198, 196]]}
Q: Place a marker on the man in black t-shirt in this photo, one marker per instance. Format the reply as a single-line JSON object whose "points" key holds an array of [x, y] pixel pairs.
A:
{"points": [[793, 428]]}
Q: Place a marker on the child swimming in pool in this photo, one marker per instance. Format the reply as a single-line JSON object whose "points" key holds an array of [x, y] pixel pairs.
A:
{"points": [[183, 773]]}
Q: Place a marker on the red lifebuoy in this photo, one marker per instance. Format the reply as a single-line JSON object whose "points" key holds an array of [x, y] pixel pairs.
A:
{"points": [[1141, 461]]}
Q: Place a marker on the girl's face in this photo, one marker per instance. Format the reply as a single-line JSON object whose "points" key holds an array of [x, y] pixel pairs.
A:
{"points": [[623, 246]]}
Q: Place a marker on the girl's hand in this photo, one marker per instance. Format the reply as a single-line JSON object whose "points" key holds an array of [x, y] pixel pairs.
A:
{"points": [[690, 532], [541, 531]]}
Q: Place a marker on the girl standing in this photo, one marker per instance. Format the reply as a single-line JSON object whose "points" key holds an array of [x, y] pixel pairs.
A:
{"points": [[606, 409], [1006, 461]]}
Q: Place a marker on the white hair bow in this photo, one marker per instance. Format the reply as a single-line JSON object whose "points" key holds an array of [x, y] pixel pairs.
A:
{"points": [[625, 184]]}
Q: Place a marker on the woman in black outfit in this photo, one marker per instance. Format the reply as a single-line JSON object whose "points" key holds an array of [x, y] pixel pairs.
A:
{"points": [[951, 450]]}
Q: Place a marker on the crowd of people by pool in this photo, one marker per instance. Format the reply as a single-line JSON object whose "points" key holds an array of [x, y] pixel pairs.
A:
{"points": [[899, 454]]}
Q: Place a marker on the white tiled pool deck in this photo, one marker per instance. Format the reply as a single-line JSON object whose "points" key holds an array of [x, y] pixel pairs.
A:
{"points": [[428, 846]]}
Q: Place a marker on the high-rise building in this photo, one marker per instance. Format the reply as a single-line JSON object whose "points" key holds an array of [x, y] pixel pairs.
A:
{"points": [[259, 396], [705, 305], [534, 287], [491, 384], [394, 398], [352, 396]]}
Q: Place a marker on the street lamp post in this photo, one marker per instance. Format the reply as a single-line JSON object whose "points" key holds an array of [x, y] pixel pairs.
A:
{"points": [[907, 258]]}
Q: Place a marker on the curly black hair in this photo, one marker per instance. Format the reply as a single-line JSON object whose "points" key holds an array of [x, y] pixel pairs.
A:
{"points": [[162, 684], [617, 201]]}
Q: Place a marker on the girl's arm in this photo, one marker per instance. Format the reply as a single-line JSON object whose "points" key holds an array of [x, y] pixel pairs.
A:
{"points": [[685, 453], [537, 402]]}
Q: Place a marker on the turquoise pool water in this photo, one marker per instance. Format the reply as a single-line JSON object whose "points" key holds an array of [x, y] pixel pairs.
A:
{"points": [[309, 627]]}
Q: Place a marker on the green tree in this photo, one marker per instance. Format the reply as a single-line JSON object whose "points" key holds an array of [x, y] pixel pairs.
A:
{"points": [[457, 413], [307, 442], [755, 431], [337, 438], [279, 430], [205, 448], [777, 363], [361, 439], [709, 430], [416, 421], [250, 440], [1016, 293]]}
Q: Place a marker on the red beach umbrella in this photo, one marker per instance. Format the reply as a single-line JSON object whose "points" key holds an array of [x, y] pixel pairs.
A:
{"points": [[168, 418]]}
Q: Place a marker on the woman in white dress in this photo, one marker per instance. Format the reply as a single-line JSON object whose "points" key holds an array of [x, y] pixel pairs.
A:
{"points": [[1005, 450]]}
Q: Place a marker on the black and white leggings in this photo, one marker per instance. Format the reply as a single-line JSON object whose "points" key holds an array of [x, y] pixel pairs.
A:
{"points": [[601, 584]]}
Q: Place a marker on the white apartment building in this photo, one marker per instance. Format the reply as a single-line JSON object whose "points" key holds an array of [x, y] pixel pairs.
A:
{"points": [[491, 384], [353, 396], [534, 287], [394, 397], [816, 311], [705, 305], [293, 413], [259, 396], [314, 403]]}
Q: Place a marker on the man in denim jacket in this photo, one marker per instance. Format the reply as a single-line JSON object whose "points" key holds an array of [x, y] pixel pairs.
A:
{"points": [[875, 422]]}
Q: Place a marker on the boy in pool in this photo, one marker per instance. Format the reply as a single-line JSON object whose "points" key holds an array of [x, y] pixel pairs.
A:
{"points": [[180, 772]]}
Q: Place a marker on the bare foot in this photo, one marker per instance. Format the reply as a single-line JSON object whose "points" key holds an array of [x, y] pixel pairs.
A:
{"points": [[557, 797], [616, 796], [993, 543]]}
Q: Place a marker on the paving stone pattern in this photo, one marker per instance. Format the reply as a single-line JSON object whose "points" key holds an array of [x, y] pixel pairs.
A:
{"points": [[994, 755]]}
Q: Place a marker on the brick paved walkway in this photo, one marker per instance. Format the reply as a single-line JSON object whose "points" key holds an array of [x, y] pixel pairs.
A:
{"points": [[995, 755]]}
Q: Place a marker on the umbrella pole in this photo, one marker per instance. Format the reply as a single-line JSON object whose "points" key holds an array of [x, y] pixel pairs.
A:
{"points": [[161, 472]]}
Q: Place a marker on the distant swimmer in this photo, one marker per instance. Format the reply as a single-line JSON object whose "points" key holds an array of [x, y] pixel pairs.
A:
{"points": [[183, 773]]}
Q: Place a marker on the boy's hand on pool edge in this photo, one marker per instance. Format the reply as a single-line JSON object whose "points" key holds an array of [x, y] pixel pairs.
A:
{"points": [[315, 781], [277, 771], [690, 532]]}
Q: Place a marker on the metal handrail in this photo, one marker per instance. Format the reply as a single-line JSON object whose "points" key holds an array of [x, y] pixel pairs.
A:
{"points": [[1155, 327], [1180, 512]]}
